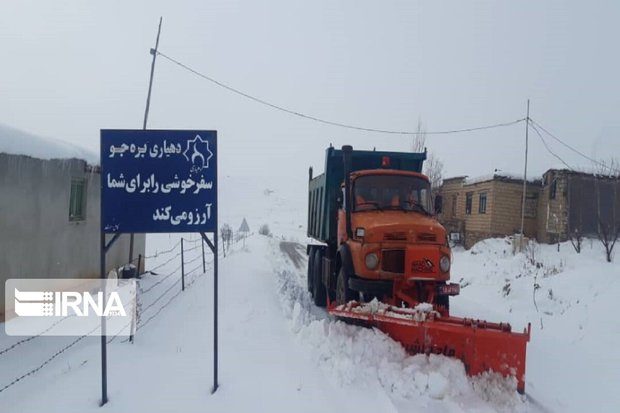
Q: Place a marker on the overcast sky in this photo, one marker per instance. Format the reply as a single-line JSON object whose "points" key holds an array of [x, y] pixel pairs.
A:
{"points": [[70, 68]]}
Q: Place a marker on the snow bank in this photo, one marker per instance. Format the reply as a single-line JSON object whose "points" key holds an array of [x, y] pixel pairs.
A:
{"points": [[573, 358], [17, 142]]}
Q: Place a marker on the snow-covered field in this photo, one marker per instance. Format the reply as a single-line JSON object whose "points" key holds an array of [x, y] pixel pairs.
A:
{"points": [[280, 353], [573, 361]]}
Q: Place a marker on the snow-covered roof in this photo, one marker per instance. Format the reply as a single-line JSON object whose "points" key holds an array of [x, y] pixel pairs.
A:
{"points": [[500, 176], [17, 142]]}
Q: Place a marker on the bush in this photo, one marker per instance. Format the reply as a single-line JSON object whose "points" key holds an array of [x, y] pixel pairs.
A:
{"points": [[264, 230]]}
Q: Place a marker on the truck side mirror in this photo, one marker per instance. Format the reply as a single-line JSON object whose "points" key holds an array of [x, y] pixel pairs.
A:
{"points": [[438, 204]]}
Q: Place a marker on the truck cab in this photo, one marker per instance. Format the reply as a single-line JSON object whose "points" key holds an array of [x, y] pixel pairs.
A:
{"points": [[373, 213]]}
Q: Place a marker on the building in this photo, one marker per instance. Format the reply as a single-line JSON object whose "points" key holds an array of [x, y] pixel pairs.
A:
{"points": [[486, 207], [564, 203], [576, 202], [49, 212]]}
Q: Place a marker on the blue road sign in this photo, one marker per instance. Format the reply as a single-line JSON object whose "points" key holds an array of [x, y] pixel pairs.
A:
{"points": [[158, 181]]}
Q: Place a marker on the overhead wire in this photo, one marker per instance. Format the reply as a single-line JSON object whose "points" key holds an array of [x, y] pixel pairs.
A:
{"points": [[549, 149], [325, 121], [604, 165]]}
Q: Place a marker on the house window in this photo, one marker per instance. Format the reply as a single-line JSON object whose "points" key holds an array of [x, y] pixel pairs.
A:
{"points": [[482, 205], [553, 189], [468, 197], [531, 204], [77, 201], [453, 207]]}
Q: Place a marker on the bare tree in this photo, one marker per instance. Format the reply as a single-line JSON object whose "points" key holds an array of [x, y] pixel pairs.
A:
{"points": [[608, 225], [608, 234], [576, 238], [610, 168], [227, 234], [433, 168], [575, 234], [419, 140]]}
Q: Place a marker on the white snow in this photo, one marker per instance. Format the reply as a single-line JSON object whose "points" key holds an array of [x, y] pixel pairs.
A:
{"points": [[420, 312], [573, 358], [499, 174], [18, 142], [278, 352]]}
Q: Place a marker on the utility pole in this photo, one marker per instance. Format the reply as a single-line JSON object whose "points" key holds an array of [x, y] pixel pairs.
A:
{"points": [[527, 129], [148, 97], [146, 115]]}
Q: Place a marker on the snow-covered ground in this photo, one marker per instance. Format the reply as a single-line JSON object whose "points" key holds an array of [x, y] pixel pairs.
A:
{"points": [[573, 361], [280, 353]]}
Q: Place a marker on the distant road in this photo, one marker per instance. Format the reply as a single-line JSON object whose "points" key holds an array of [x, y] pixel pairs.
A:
{"points": [[293, 250]]}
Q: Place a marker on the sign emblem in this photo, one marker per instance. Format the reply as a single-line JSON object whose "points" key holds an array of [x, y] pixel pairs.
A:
{"points": [[198, 153]]}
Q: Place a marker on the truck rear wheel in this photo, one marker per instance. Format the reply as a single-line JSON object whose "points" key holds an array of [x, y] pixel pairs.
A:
{"points": [[343, 293], [319, 294]]}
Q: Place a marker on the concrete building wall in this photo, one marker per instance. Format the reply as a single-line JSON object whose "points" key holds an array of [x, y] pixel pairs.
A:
{"points": [[37, 240], [477, 224], [450, 190], [451, 217], [503, 208], [563, 202], [553, 208], [575, 201], [507, 204]]}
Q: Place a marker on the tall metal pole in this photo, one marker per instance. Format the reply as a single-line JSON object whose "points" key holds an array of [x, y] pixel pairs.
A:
{"points": [[146, 112], [104, 349], [215, 250], [148, 97], [204, 264], [527, 129], [182, 267], [215, 294]]}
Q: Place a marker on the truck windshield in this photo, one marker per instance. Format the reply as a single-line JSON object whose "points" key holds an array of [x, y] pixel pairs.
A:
{"points": [[381, 192]]}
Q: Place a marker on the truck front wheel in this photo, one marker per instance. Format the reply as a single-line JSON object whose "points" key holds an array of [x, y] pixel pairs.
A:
{"points": [[343, 293], [310, 273], [319, 294]]}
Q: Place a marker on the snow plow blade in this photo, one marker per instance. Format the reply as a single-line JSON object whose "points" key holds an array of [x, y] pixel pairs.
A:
{"points": [[480, 345]]}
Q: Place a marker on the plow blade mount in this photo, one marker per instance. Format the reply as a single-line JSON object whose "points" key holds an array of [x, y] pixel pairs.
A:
{"points": [[480, 345]]}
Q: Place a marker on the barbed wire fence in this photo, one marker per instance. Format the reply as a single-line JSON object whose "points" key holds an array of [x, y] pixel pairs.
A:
{"points": [[177, 251]]}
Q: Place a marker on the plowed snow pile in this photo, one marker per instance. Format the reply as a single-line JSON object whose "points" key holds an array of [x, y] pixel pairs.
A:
{"points": [[356, 356]]}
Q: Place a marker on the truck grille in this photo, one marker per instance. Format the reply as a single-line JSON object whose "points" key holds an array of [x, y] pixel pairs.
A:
{"points": [[427, 237], [395, 236], [393, 261]]}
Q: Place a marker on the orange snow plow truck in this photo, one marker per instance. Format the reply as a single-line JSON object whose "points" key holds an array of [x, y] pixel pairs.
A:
{"points": [[384, 261]]}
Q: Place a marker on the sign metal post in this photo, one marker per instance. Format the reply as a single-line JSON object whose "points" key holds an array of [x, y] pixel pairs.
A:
{"points": [[159, 181]]}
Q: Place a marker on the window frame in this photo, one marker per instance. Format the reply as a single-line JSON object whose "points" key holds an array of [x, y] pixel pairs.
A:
{"points": [[77, 199], [482, 206], [469, 200], [553, 189]]}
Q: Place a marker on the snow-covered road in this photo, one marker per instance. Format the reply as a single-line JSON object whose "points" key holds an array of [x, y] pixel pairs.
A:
{"points": [[277, 353]]}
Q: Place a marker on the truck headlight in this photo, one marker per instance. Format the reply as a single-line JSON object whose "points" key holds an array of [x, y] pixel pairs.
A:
{"points": [[371, 261], [444, 263]]}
